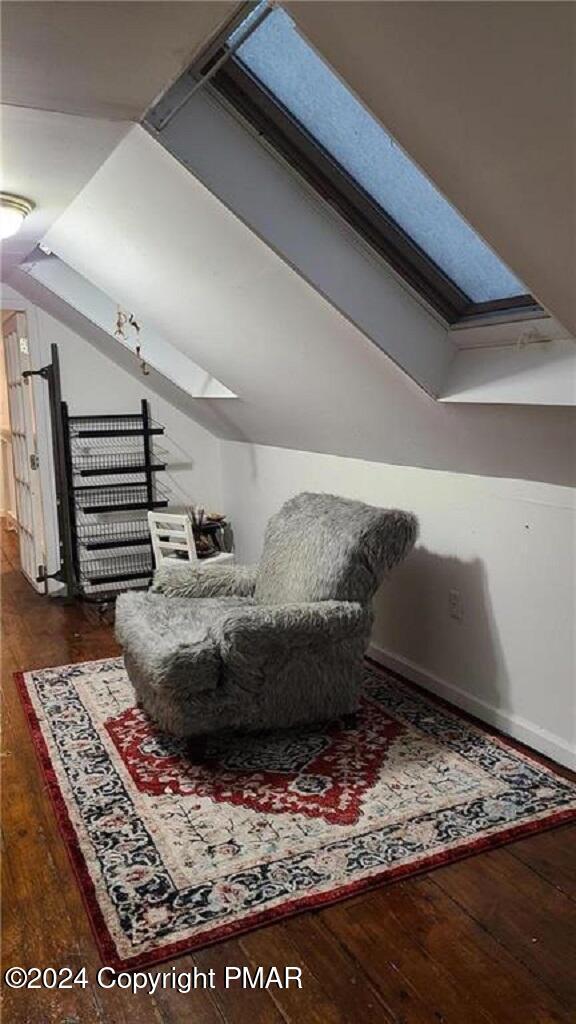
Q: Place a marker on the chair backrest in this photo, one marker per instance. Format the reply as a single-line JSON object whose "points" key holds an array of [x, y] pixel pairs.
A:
{"points": [[320, 547], [172, 537]]}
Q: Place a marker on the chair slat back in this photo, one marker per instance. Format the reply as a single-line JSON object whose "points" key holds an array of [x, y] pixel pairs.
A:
{"points": [[172, 536]]}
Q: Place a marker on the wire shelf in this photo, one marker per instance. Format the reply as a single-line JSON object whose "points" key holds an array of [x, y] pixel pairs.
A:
{"points": [[98, 535], [105, 592], [113, 463], [111, 467], [95, 498], [118, 568], [106, 443], [110, 426]]}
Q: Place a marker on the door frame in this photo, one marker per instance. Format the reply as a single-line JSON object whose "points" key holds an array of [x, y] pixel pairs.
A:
{"points": [[25, 461], [39, 340]]}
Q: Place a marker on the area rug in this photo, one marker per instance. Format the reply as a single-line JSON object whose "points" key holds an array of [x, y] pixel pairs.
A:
{"points": [[171, 856]]}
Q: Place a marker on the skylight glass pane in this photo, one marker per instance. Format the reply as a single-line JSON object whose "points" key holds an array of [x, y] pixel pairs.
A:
{"points": [[294, 73]]}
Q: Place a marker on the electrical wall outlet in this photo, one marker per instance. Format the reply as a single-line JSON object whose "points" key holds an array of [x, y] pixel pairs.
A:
{"points": [[455, 605]]}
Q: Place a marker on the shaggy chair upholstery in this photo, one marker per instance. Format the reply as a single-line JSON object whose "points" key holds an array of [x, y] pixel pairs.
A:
{"points": [[242, 647]]}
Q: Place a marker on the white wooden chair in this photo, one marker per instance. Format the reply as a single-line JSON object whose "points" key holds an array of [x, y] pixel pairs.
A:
{"points": [[172, 537]]}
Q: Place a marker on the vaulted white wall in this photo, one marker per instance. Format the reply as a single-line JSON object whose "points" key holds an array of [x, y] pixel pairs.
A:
{"points": [[322, 407], [146, 231], [507, 546], [91, 384], [234, 163], [272, 199], [102, 311]]}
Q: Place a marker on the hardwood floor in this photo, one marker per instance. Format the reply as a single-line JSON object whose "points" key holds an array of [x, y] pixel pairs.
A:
{"points": [[488, 939]]}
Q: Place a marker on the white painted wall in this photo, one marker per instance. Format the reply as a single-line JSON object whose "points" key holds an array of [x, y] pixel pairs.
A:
{"points": [[92, 383], [507, 545], [233, 161], [148, 232], [515, 374], [101, 310]]}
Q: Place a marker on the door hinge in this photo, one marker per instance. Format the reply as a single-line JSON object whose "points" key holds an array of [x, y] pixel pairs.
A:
{"points": [[34, 461], [43, 575]]}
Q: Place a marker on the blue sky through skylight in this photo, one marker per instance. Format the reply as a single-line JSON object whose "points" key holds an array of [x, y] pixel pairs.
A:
{"points": [[299, 79]]}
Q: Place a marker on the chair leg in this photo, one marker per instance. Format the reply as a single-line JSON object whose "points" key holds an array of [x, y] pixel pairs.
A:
{"points": [[197, 749], [350, 720]]}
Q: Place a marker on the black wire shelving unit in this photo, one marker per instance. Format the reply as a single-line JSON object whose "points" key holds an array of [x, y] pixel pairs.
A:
{"points": [[106, 469], [112, 466]]}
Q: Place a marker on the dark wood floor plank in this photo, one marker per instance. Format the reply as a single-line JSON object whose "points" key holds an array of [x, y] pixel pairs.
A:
{"points": [[552, 855], [340, 974], [455, 946], [411, 982], [313, 1003], [199, 1004], [470, 955], [38, 930], [44, 921], [237, 1005], [525, 913]]}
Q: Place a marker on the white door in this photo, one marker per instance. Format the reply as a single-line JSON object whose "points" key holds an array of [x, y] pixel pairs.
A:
{"points": [[24, 449]]}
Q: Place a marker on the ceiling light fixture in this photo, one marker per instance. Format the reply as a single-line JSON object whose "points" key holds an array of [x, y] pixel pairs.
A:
{"points": [[13, 210]]}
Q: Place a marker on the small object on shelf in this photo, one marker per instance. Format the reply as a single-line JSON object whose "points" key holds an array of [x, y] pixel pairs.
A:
{"points": [[209, 529], [174, 535]]}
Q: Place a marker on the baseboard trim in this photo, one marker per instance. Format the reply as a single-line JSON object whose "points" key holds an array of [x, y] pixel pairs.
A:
{"points": [[518, 728]]}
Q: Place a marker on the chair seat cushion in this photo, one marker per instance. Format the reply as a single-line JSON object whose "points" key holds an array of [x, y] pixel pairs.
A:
{"points": [[171, 643]]}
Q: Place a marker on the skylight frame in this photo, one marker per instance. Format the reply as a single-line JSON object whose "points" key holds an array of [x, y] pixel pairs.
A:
{"points": [[262, 110], [335, 186], [218, 70]]}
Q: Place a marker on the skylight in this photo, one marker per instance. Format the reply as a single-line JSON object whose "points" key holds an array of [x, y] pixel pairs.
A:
{"points": [[305, 88]]}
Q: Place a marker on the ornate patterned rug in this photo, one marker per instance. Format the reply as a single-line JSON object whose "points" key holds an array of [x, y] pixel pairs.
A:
{"points": [[171, 856]]}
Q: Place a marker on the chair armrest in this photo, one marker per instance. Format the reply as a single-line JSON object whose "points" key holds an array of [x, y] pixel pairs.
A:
{"points": [[183, 579], [257, 628]]}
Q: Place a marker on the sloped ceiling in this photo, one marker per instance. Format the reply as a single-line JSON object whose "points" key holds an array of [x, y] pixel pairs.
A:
{"points": [[146, 231], [483, 97], [49, 157], [101, 311], [26, 288], [73, 75], [108, 58]]}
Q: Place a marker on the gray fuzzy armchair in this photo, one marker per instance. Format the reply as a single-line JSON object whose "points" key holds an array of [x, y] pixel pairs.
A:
{"points": [[275, 645]]}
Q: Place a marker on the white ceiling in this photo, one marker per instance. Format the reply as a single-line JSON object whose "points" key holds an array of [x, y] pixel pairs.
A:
{"points": [[48, 158], [482, 96], [102, 59], [74, 76], [148, 232], [306, 377]]}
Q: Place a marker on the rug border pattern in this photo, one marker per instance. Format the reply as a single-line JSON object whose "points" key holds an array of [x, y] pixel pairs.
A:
{"points": [[169, 950]]}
